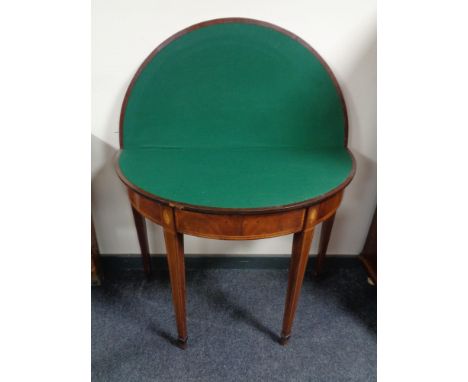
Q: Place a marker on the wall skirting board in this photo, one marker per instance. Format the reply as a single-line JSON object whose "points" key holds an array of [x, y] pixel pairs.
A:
{"points": [[115, 265]]}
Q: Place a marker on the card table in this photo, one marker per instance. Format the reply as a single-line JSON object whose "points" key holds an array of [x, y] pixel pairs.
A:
{"points": [[234, 129]]}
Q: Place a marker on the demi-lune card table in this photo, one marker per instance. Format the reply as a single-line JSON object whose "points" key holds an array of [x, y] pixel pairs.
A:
{"points": [[234, 129]]}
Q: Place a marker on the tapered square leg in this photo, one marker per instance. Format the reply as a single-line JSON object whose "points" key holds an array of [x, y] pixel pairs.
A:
{"points": [[327, 226], [140, 224], [300, 254], [175, 259]]}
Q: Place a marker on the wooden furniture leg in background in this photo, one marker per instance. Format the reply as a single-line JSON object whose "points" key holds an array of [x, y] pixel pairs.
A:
{"points": [[95, 268], [300, 254], [327, 226], [368, 255], [175, 260], [140, 225]]}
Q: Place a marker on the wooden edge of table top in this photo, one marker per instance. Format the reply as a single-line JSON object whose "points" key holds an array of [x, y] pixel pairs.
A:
{"points": [[233, 211]]}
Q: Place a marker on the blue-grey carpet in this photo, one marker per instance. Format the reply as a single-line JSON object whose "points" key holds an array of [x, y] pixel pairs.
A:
{"points": [[234, 318]]}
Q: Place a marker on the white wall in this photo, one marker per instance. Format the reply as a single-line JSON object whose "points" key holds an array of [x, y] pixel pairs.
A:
{"points": [[126, 31]]}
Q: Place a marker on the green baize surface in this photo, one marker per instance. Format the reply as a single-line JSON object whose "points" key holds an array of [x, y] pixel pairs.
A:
{"points": [[235, 115]]}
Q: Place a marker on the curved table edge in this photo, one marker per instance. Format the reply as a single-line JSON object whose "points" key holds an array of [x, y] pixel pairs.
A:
{"points": [[222, 20], [232, 211]]}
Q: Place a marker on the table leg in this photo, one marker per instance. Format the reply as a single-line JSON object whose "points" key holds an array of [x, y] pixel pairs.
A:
{"points": [[140, 224], [175, 259], [297, 267], [323, 245]]}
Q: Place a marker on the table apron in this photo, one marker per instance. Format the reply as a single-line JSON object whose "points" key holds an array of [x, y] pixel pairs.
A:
{"points": [[236, 226]]}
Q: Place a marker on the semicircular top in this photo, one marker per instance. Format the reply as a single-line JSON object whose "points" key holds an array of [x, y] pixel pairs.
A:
{"points": [[234, 113]]}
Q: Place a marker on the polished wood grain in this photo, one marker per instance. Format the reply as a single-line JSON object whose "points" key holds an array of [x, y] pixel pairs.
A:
{"points": [[176, 221], [300, 255], [145, 206], [239, 227], [175, 259], [325, 234], [142, 233], [328, 207]]}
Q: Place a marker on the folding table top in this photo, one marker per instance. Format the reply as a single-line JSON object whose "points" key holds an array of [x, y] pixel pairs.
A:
{"points": [[234, 114]]}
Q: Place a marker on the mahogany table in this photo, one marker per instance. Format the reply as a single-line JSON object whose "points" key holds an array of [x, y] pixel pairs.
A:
{"points": [[234, 129]]}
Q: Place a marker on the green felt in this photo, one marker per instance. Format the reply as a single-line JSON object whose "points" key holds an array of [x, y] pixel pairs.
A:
{"points": [[234, 115], [236, 178]]}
